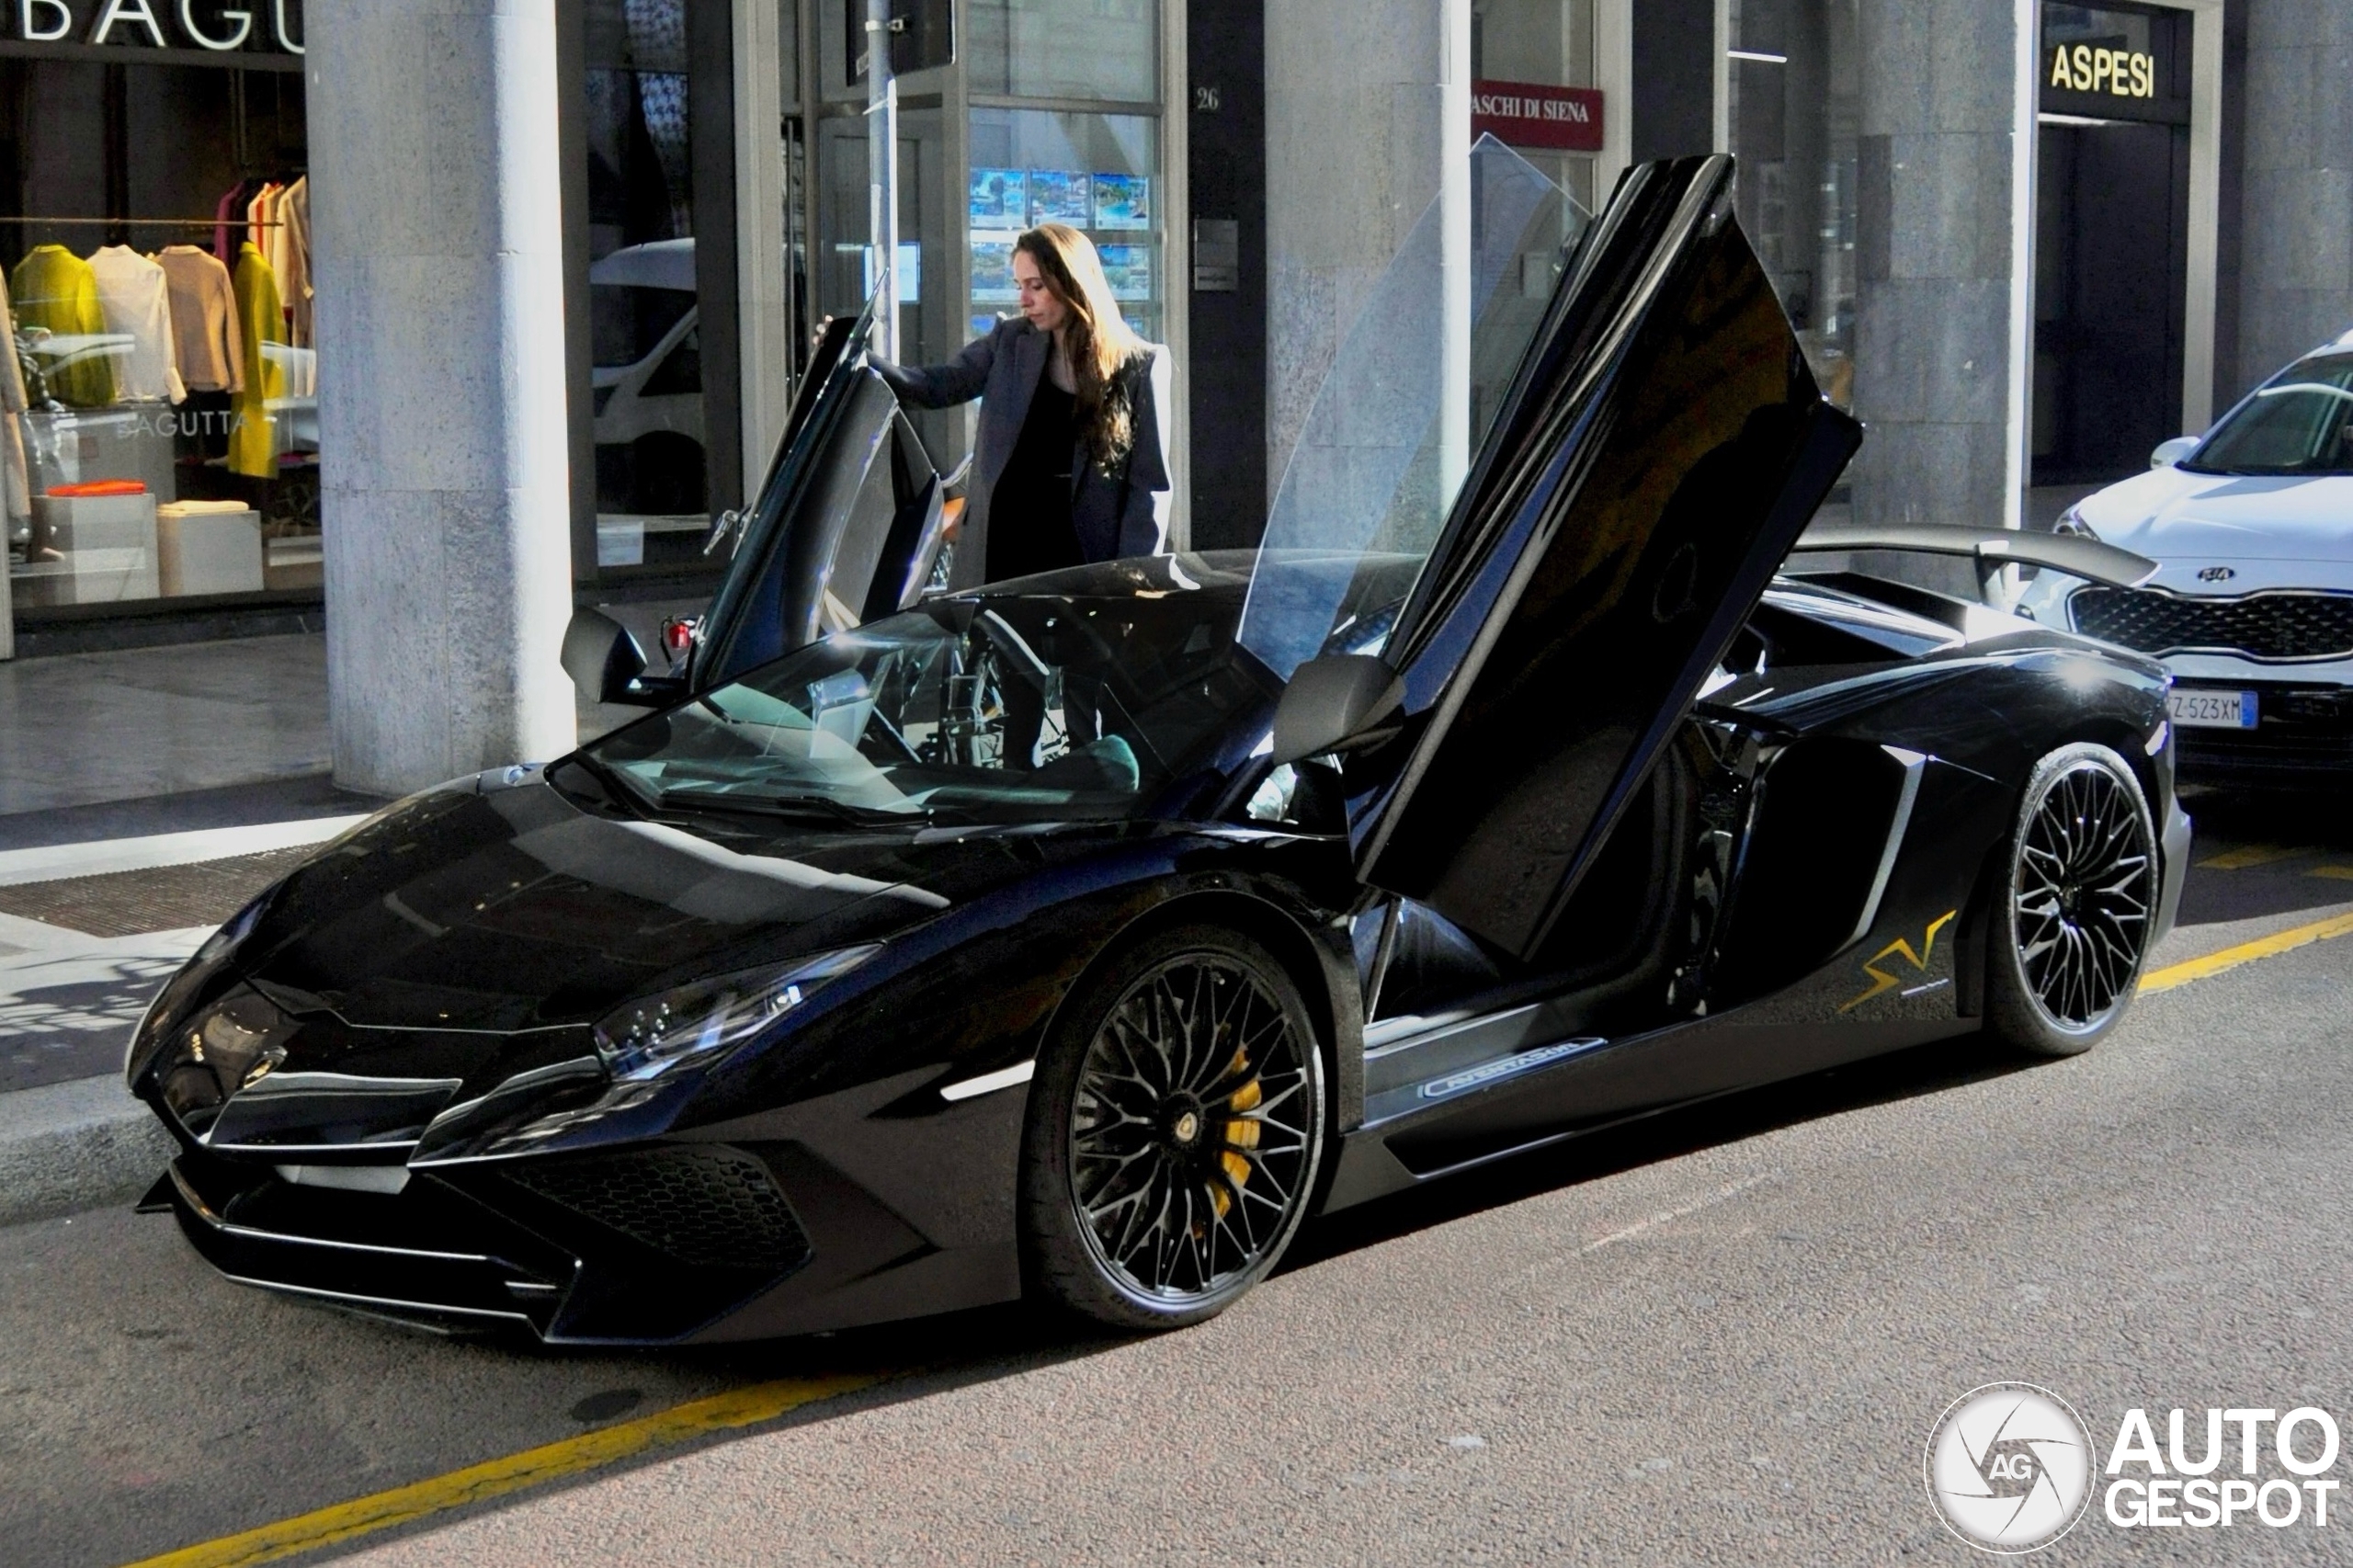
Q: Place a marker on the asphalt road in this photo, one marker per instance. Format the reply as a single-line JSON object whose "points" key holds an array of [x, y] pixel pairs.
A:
{"points": [[1721, 1335]]}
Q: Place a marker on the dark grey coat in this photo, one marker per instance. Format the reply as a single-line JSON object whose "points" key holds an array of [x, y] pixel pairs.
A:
{"points": [[1113, 514]]}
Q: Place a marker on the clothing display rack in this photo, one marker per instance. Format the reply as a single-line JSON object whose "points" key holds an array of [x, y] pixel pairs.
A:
{"points": [[154, 222]]}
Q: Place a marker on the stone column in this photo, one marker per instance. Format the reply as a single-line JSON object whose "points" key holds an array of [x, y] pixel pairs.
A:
{"points": [[2296, 227], [438, 248], [1937, 262], [1368, 117]]}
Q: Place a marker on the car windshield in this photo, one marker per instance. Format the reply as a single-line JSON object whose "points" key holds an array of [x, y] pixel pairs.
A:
{"points": [[2300, 422], [1021, 704]]}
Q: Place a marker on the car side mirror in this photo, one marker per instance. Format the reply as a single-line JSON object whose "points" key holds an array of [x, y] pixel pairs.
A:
{"points": [[2171, 452], [606, 663], [1335, 703]]}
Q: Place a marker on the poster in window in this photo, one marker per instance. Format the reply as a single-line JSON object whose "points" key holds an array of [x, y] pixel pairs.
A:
{"points": [[1059, 196], [993, 273], [1000, 199], [1129, 267], [1123, 202]]}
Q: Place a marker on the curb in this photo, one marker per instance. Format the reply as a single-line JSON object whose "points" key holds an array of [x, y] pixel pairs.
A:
{"points": [[155, 851], [65, 1148]]}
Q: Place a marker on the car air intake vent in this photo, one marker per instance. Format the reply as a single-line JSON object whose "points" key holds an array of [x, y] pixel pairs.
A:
{"points": [[708, 1207], [2288, 624]]}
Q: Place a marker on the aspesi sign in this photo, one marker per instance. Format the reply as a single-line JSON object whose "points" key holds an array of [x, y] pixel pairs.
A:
{"points": [[1530, 114], [221, 25], [2086, 68]]}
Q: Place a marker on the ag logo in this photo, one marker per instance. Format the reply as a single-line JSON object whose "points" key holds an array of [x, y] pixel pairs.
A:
{"points": [[2009, 1467], [2216, 574]]}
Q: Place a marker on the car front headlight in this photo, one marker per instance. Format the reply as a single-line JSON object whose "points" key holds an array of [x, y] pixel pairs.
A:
{"points": [[183, 988], [228, 1045], [2071, 521], [698, 1021]]}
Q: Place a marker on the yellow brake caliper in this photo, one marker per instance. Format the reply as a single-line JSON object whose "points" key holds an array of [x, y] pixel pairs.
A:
{"points": [[1241, 1132]]}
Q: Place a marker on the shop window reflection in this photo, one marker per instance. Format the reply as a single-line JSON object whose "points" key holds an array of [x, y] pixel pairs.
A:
{"points": [[1066, 48], [1098, 173], [845, 264], [649, 419], [1546, 43], [1792, 111]]}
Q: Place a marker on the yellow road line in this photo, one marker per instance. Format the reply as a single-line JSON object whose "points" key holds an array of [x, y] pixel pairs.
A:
{"points": [[495, 1478], [2248, 854], [2279, 942], [2342, 873]]}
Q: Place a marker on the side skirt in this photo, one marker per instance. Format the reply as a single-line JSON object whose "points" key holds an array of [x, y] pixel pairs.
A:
{"points": [[1597, 1087]]}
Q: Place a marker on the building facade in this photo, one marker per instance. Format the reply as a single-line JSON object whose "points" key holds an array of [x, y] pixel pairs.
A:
{"points": [[470, 313]]}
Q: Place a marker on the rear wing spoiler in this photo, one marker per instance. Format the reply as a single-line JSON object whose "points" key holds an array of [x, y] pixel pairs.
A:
{"points": [[1992, 549]]}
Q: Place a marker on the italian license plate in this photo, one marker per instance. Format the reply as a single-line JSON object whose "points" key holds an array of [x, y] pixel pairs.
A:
{"points": [[2193, 708]]}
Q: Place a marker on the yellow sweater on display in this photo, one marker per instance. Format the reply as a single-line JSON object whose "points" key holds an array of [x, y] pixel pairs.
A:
{"points": [[57, 290], [253, 439]]}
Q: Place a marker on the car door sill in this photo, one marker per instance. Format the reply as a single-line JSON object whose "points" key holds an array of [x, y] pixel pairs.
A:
{"points": [[1439, 1067]]}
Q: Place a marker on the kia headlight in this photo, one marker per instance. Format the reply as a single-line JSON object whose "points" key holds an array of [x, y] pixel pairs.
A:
{"points": [[2071, 521], [699, 1021]]}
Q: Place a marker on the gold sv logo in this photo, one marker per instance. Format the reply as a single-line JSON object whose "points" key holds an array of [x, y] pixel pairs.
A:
{"points": [[1884, 982]]}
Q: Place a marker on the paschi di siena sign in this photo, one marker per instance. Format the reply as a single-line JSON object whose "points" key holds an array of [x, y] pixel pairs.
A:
{"points": [[1532, 114], [271, 25]]}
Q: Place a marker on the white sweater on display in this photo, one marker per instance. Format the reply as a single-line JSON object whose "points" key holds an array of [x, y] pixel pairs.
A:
{"points": [[135, 300]]}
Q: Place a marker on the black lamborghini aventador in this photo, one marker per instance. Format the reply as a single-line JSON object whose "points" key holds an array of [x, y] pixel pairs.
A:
{"points": [[1085, 935]]}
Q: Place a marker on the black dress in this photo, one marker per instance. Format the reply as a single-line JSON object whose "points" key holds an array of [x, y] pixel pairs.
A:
{"points": [[1030, 524]]}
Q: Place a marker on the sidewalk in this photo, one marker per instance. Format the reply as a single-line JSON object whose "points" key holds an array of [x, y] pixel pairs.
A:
{"points": [[145, 796], [149, 723], [89, 932]]}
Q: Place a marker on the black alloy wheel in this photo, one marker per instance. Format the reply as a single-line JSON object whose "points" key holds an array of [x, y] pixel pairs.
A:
{"points": [[2078, 905], [1175, 1137]]}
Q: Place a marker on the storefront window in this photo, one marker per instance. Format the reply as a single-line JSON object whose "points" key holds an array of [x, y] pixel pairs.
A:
{"points": [[1543, 44], [1792, 83], [158, 388], [846, 271], [1059, 103], [1066, 48], [1094, 172], [652, 478], [842, 266]]}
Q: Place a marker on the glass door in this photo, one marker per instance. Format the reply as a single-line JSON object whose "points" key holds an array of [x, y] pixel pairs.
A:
{"points": [[650, 417]]}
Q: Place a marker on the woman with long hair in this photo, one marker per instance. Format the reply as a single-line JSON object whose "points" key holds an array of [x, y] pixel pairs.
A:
{"points": [[1068, 459]]}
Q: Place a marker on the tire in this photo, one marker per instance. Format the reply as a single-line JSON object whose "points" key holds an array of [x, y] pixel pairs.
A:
{"points": [[2073, 911], [1175, 1133]]}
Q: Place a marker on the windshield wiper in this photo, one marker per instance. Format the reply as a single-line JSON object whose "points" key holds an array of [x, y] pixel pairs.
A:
{"points": [[804, 808]]}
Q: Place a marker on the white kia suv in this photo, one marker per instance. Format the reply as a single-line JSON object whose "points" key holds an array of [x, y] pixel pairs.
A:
{"points": [[2252, 605]]}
